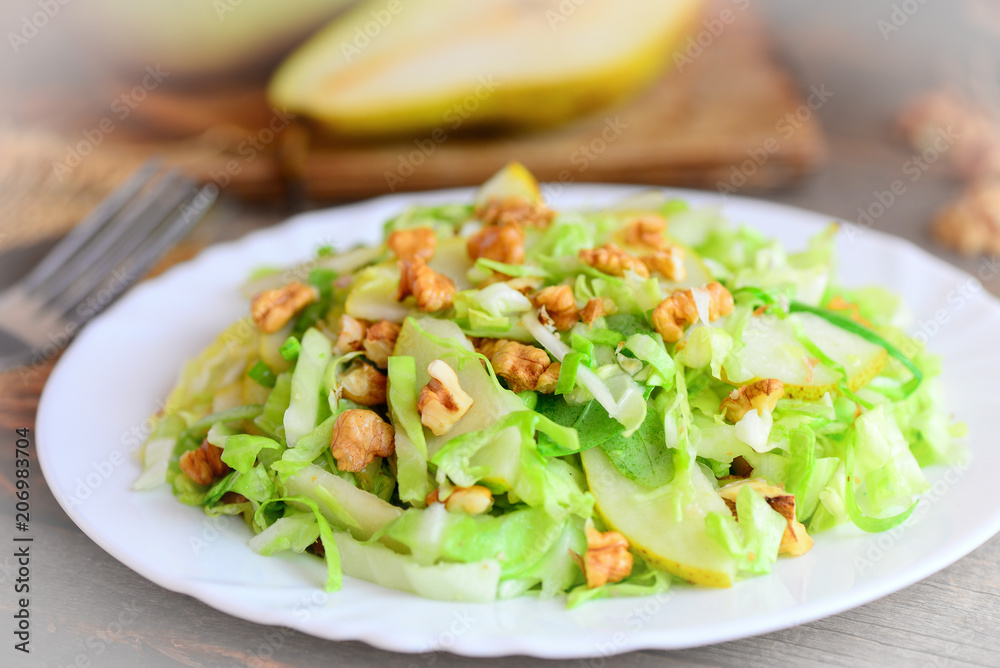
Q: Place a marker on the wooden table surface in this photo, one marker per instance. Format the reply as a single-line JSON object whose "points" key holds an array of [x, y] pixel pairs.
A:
{"points": [[89, 610]]}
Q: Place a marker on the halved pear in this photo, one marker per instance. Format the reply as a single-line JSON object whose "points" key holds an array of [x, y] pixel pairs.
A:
{"points": [[410, 67], [680, 547], [773, 351]]}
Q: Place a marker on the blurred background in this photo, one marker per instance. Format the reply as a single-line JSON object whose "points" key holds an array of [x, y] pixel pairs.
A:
{"points": [[289, 106]]}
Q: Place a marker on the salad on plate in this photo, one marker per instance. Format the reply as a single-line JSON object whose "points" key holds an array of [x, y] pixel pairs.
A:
{"points": [[501, 400]]}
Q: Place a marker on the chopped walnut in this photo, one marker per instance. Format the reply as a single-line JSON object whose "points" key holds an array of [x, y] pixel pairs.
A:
{"points": [[592, 310], [413, 242], [679, 310], [796, 540], [971, 224], [550, 377], [488, 347], [646, 231], [740, 467], [442, 402], [612, 260], [379, 341], [272, 309], [950, 124], [559, 305], [668, 262], [607, 558], [233, 497], [204, 464], [433, 291], [359, 436], [351, 337], [474, 500], [514, 210], [363, 384], [762, 395], [500, 243], [520, 365]]}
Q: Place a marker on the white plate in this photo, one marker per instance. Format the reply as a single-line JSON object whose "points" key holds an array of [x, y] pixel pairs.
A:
{"points": [[93, 414]]}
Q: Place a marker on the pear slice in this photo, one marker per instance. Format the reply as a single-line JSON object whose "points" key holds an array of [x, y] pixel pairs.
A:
{"points": [[408, 67], [773, 351], [513, 181], [490, 402], [680, 547]]}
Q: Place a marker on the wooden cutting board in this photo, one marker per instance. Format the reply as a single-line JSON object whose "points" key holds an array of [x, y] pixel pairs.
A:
{"points": [[727, 113]]}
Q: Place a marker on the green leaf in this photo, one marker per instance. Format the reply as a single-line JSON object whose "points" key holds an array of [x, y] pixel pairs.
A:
{"points": [[334, 574], [567, 372], [241, 450], [644, 456], [309, 447], [591, 422], [511, 269], [290, 349], [271, 419], [625, 325], [261, 374], [303, 412]]}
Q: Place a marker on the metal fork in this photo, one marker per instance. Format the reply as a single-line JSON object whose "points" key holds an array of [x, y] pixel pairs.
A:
{"points": [[102, 256]]}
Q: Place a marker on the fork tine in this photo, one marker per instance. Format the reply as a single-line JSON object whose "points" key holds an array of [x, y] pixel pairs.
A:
{"points": [[173, 230], [97, 263], [163, 237], [135, 219], [90, 226]]}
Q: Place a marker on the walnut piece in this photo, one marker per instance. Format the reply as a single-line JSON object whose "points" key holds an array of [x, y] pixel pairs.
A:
{"points": [[559, 305], [359, 436], [488, 347], [433, 291], [679, 310], [547, 381], [947, 123], [607, 558], [796, 540], [500, 243], [668, 262], [514, 210], [474, 500], [646, 231], [363, 384], [413, 242], [442, 402], [351, 337], [762, 395], [379, 341], [592, 310], [612, 260], [272, 309], [520, 365], [204, 464], [971, 224]]}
